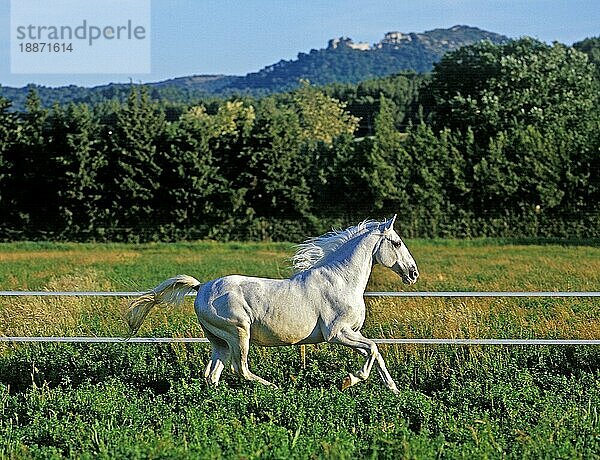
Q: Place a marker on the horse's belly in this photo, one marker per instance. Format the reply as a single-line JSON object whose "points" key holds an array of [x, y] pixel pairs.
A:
{"points": [[268, 335]]}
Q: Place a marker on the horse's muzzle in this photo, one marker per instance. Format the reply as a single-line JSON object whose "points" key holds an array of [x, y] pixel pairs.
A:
{"points": [[412, 276]]}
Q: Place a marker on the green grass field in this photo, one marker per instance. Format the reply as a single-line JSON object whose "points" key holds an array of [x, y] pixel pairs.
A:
{"points": [[150, 401]]}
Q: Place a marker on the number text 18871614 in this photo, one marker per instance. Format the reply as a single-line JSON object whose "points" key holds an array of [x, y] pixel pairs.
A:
{"points": [[43, 47]]}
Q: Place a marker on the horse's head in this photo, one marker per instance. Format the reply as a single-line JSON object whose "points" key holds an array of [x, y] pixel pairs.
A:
{"points": [[391, 252]]}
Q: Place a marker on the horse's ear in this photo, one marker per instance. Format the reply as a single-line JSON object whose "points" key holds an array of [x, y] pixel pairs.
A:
{"points": [[389, 225]]}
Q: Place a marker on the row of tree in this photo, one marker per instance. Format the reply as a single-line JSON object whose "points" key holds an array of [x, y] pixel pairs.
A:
{"points": [[499, 140]]}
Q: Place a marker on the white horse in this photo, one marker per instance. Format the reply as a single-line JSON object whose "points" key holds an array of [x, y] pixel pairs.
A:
{"points": [[322, 302]]}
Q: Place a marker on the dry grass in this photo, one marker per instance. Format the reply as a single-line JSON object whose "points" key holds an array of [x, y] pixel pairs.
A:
{"points": [[484, 318], [504, 267], [491, 268], [50, 316], [82, 257]]}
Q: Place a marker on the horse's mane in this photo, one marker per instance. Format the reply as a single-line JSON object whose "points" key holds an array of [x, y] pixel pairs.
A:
{"points": [[314, 250]]}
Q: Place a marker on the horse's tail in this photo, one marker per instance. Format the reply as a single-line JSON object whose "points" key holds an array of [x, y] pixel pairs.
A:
{"points": [[171, 291]]}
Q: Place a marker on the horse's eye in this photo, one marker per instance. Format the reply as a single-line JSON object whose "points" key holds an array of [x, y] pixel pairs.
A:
{"points": [[396, 244]]}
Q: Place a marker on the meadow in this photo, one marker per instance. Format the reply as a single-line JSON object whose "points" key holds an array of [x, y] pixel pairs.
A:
{"points": [[150, 401]]}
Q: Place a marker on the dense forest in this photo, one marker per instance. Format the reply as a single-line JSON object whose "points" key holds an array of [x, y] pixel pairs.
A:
{"points": [[499, 140]]}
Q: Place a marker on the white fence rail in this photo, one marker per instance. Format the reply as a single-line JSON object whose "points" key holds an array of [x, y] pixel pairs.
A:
{"points": [[448, 341], [379, 341], [367, 294]]}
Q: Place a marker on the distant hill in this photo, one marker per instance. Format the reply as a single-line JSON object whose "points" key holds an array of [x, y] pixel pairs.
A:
{"points": [[182, 89], [348, 62], [342, 61]]}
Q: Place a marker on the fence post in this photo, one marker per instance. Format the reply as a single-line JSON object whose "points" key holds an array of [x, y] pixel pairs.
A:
{"points": [[303, 355]]}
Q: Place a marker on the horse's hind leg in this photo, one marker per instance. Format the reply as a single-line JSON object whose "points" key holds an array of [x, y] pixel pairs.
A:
{"points": [[239, 355], [218, 359], [230, 326]]}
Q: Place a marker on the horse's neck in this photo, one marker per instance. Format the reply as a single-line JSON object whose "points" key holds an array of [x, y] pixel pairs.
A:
{"points": [[353, 262]]}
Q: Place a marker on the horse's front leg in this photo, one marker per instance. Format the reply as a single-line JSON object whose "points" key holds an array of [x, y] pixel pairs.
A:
{"points": [[367, 348]]}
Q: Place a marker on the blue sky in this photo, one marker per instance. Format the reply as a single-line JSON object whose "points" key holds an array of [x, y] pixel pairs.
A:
{"points": [[236, 37]]}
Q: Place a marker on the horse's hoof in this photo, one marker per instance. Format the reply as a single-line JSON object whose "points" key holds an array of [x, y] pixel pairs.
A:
{"points": [[347, 383]]}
